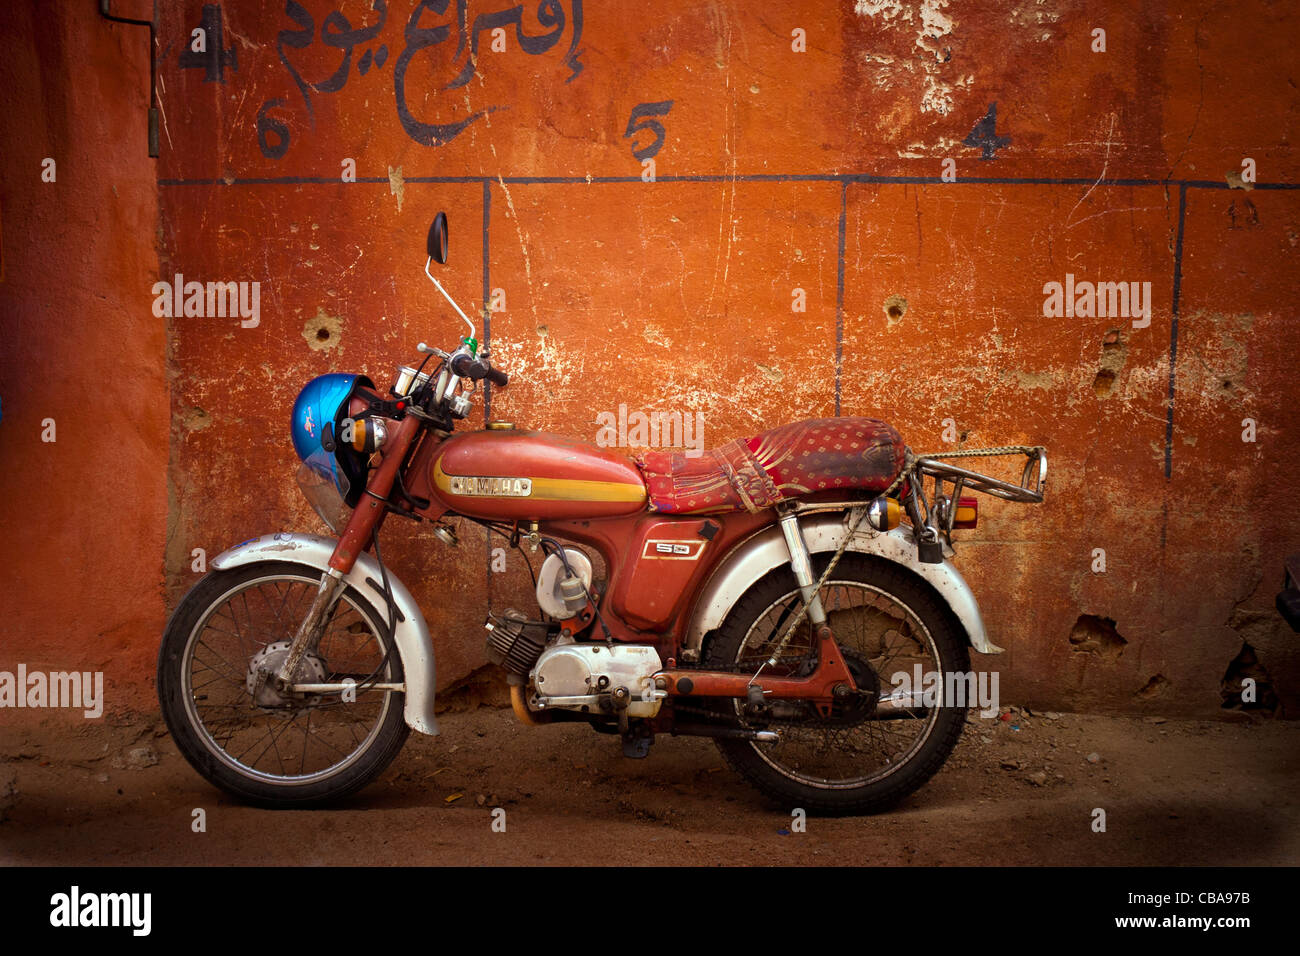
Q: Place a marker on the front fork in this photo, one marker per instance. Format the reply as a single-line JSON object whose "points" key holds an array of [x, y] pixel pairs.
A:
{"points": [[357, 534], [308, 636]]}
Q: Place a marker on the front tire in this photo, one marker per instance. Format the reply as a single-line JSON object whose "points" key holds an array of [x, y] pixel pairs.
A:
{"points": [[309, 751], [864, 757]]}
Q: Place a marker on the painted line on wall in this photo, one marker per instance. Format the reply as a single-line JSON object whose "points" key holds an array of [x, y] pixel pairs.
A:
{"points": [[487, 296], [724, 178], [844, 179], [487, 386], [1173, 330], [839, 294]]}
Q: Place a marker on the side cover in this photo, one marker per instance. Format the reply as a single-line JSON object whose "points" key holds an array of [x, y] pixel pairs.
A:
{"points": [[411, 635], [766, 551]]}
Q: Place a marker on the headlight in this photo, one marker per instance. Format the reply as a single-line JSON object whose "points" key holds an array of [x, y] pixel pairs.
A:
{"points": [[366, 435], [321, 492]]}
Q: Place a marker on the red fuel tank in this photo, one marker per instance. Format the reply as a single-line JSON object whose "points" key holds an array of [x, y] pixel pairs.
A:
{"points": [[512, 474]]}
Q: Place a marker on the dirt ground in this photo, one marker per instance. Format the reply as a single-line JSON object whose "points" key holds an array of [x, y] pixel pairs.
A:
{"points": [[1020, 790]]}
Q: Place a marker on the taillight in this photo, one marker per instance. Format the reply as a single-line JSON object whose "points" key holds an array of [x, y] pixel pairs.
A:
{"points": [[968, 512]]}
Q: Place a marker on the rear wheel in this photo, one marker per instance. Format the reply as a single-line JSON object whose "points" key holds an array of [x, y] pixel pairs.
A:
{"points": [[295, 750], [872, 749]]}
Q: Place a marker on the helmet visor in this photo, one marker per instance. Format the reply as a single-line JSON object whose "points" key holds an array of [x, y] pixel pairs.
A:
{"points": [[325, 487]]}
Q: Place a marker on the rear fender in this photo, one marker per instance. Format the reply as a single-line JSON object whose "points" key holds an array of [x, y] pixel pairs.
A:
{"points": [[411, 635], [766, 551]]}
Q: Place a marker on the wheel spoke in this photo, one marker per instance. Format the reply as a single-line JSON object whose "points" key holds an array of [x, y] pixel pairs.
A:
{"points": [[259, 742], [876, 633]]}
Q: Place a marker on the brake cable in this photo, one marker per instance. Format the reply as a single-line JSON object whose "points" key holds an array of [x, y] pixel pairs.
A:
{"points": [[390, 625]]}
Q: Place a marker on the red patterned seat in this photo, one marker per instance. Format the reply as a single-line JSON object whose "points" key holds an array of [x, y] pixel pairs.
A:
{"points": [[803, 458]]}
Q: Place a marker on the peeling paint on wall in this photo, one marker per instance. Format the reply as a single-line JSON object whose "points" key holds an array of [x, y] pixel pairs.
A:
{"points": [[397, 185], [923, 292], [195, 419], [929, 53]]}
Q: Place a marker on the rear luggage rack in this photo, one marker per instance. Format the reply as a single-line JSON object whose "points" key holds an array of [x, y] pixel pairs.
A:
{"points": [[933, 516], [1032, 480]]}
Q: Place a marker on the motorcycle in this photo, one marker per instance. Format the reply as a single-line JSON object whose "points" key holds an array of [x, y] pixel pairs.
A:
{"points": [[767, 594]]}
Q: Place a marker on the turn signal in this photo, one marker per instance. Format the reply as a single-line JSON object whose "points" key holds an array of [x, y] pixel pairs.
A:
{"points": [[885, 514]]}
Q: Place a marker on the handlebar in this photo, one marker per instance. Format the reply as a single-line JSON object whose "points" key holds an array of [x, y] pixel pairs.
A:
{"points": [[467, 367]]}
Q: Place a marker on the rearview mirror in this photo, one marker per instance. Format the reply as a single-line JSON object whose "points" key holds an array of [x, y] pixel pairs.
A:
{"points": [[437, 245]]}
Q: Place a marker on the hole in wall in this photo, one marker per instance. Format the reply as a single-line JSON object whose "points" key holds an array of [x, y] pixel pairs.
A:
{"points": [[1246, 666], [323, 332], [895, 308], [1094, 634]]}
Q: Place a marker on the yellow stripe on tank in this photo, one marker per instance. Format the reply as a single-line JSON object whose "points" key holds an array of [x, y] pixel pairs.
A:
{"points": [[559, 489]]}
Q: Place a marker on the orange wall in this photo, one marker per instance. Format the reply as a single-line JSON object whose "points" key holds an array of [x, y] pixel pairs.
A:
{"points": [[820, 170], [84, 517]]}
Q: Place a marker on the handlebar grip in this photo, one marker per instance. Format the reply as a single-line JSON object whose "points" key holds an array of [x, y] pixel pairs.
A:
{"points": [[466, 367]]}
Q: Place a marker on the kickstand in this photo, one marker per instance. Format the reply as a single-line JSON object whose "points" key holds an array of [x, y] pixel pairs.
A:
{"points": [[636, 744]]}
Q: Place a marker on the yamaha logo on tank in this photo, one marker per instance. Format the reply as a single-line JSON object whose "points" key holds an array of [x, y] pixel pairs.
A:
{"points": [[491, 487]]}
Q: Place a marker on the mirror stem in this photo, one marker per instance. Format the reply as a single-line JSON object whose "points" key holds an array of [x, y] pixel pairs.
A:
{"points": [[448, 297]]}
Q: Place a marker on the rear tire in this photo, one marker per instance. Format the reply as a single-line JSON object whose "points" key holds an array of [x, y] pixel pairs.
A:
{"points": [[228, 618], [852, 762]]}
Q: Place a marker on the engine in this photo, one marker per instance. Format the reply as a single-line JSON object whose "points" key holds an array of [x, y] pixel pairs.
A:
{"points": [[566, 674], [597, 677], [562, 672], [515, 643]]}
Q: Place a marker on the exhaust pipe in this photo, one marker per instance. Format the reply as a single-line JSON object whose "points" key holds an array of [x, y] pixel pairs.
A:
{"points": [[729, 733]]}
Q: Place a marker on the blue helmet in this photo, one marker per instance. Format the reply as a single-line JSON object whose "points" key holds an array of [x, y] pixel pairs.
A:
{"points": [[324, 401]]}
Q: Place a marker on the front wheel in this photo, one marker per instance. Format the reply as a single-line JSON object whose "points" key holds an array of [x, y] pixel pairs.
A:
{"points": [[293, 750], [876, 748]]}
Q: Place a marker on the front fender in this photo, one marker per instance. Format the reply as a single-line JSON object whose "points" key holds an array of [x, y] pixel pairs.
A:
{"points": [[411, 635], [766, 551]]}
